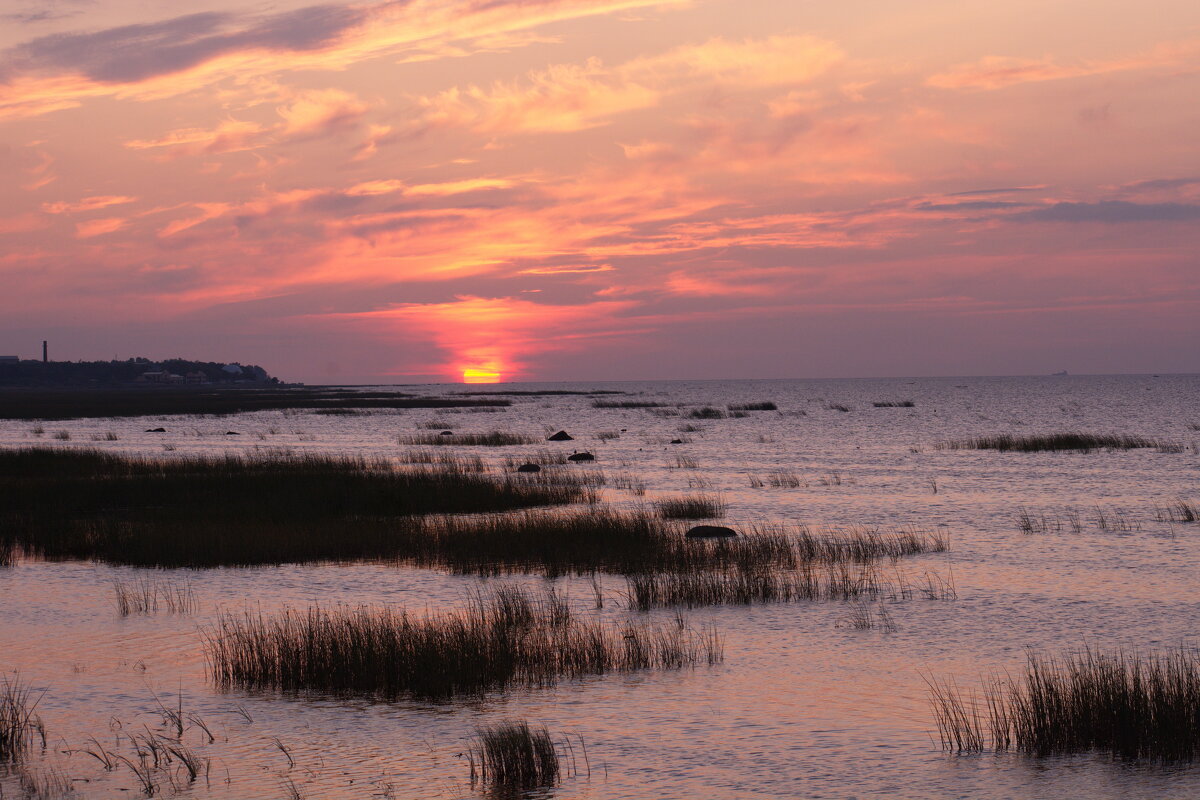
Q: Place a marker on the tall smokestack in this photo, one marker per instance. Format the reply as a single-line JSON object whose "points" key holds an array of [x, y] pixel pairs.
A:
{"points": [[45, 352]]}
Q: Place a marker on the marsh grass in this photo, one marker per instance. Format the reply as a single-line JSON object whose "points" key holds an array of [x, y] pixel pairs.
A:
{"points": [[150, 597], [783, 479], [491, 439], [1125, 704], [627, 404], [503, 639], [866, 616], [1038, 443], [1116, 521], [512, 757], [560, 543], [448, 461], [808, 581], [45, 783], [20, 726], [707, 412], [1179, 511], [542, 457], [761, 406], [260, 508], [51, 404], [837, 407], [695, 507], [684, 462], [894, 404], [628, 482], [104, 437]]}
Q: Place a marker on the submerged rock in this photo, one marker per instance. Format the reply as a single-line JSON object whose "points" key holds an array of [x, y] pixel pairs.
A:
{"points": [[232, 433], [711, 532], [446, 433], [581, 457], [561, 436], [529, 468], [156, 430], [677, 441]]}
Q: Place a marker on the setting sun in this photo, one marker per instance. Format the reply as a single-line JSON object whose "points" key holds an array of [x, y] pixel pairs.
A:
{"points": [[473, 375]]}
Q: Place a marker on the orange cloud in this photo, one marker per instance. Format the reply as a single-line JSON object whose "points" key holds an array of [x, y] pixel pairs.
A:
{"points": [[186, 53], [998, 72], [86, 204], [98, 227], [560, 98], [321, 110], [230, 136]]}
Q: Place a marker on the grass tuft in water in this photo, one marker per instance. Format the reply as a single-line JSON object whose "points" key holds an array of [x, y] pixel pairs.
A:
{"points": [[766, 405], [1125, 704], [492, 439], [1038, 443], [700, 506], [506, 638], [20, 727], [512, 757]]}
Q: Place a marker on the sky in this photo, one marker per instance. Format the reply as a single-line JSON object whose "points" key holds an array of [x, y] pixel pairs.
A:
{"points": [[543, 190]]}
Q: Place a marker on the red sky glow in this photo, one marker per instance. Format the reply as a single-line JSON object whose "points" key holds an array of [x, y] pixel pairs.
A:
{"points": [[481, 190]]}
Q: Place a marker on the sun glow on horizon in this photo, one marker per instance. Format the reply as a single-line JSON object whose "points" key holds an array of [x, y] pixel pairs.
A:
{"points": [[477, 375]]}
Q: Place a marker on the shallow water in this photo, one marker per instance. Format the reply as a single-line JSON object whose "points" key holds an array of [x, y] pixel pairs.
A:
{"points": [[803, 706]]}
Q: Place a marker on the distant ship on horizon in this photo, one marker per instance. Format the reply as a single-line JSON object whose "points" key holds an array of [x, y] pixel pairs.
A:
{"points": [[1062, 373]]}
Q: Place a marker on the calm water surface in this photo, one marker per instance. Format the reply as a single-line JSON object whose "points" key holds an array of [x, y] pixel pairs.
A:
{"points": [[802, 707]]}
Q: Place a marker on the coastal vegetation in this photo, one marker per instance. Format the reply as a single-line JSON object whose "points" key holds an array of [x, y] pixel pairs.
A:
{"points": [[1069, 440], [505, 638], [57, 403], [512, 757], [242, 509], [490, 439], [1127, 705]]}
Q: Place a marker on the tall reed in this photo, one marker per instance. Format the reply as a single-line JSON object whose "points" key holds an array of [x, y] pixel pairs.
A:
{"points": [[20, 727]]}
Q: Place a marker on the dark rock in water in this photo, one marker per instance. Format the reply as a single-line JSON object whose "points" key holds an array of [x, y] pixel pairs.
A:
{"points": [[529, 468], [581, 457], [561, 436], [156, 430], [677, 441], [232, 433], [711, 532], [446, 433]]}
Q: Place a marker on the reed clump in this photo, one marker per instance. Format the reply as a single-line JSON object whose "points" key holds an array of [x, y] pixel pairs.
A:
{"points": [[504, 639], [1126, 704], [707, 412], [627, 404], [490, 439], [512, 757], [701, 506], [150, 597], [240, 509], [1179, 511], [766, 405], [20, 727], [1038, 443], [597, 540], [448, 461], [894, 404], [808, 581]]}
